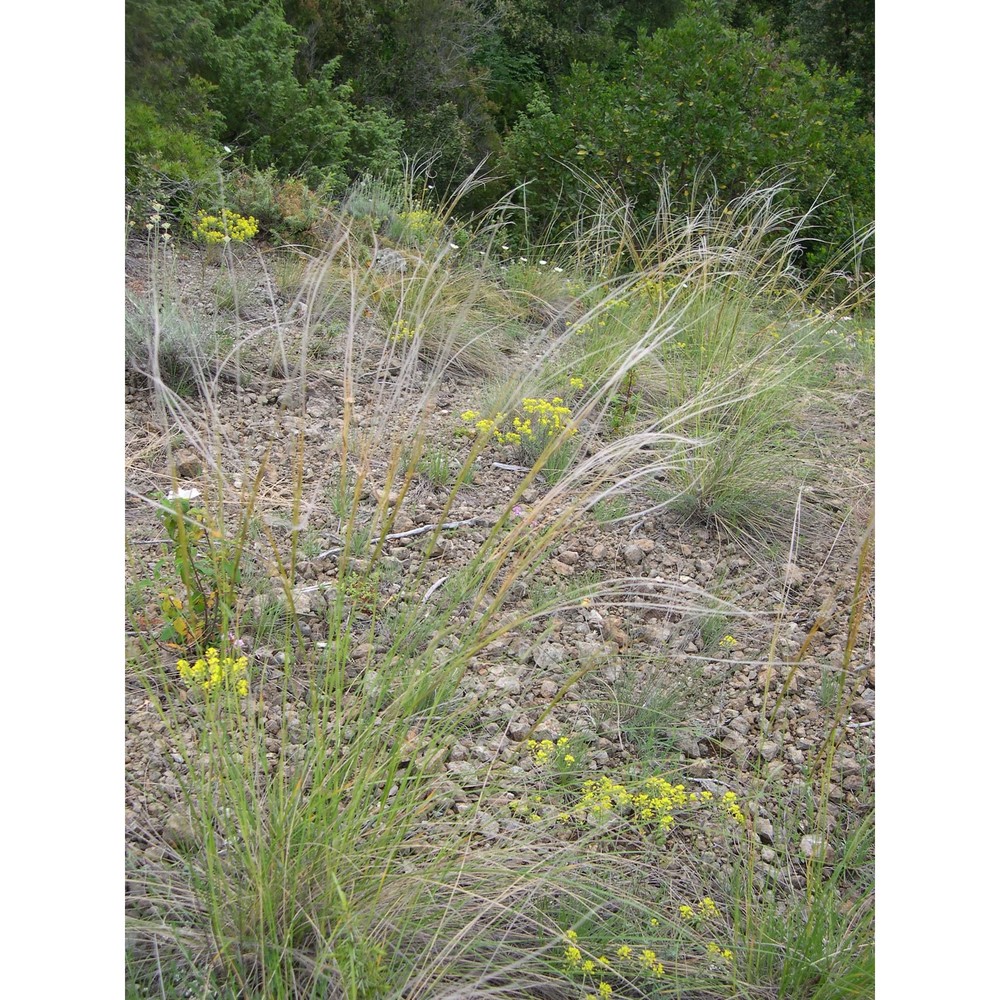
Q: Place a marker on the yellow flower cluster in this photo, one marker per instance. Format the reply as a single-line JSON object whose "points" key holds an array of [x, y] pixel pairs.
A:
{"points": [[590, 327], [649, 961], [212, 672], [733, 807], [400, 330], [728, 642], [707, 910], [587, 966], [546, 417], [542, 750], [718, 954], [421, 224], [227, 228], [653, 806], [643, 961], [550, 414]]}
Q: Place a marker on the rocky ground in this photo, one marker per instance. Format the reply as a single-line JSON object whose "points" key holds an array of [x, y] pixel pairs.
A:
{"points": [[647, 653]]}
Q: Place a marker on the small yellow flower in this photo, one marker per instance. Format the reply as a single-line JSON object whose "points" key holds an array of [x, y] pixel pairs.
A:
{"points": [[624, 951]]}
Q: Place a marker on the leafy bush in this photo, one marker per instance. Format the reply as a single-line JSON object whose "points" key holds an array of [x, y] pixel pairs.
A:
{"points": [[285, 208], [238, 60], [166, 162], [701, 96]]}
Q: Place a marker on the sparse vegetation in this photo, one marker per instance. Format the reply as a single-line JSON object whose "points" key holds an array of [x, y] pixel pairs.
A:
{"points": [[458, 744]]}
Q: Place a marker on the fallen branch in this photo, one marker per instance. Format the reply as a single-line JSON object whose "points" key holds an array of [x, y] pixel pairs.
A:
{"points": [[510, 468], [433, 587], [446, 526]]}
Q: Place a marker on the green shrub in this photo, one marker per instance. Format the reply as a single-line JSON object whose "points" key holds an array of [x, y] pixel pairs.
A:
{"points": [[166, 162], [235, 64], [701, 96], [285, 208]]}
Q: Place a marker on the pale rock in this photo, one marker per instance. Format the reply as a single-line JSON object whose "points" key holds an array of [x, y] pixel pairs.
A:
{"points": [[518, 729], [633, 554], [548, 654], [179, 831], [687, 744], [187, 464], [814, 847], [549, 689], [764, 829], [508, 685], [302, 599]]}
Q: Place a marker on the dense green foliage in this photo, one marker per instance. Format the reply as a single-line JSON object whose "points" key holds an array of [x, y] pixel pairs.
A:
{"points": [[233, 63], [698, 96], [638, 95], [839, 32]]}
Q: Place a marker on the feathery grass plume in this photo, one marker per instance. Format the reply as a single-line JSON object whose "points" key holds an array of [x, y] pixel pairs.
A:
{"points": [[742, 352]]}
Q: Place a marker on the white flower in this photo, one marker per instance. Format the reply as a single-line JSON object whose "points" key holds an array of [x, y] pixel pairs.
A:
{"points": [[543, 262], [523, 260], [454, 246], [558, 270], [227, 149], [505, 247], [184, 494]]}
